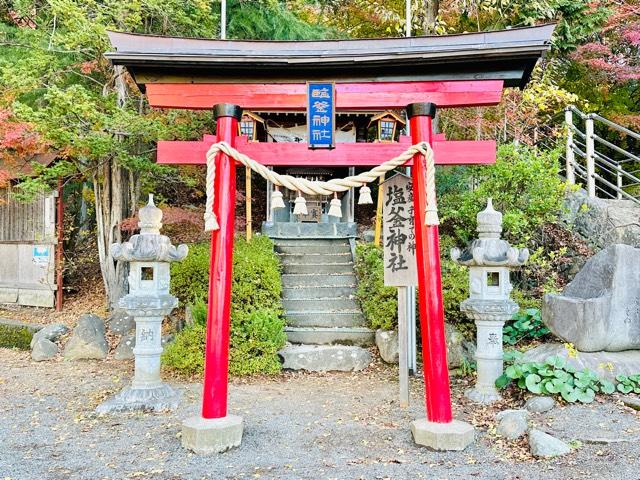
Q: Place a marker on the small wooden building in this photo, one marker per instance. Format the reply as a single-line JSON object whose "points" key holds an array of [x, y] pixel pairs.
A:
{"points": [[28, 245]]}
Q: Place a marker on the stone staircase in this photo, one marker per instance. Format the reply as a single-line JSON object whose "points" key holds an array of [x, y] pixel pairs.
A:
{"points": [[325, 326]]}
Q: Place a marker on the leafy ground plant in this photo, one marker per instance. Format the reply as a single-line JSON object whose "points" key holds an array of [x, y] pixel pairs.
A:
{"points": [[628, 384], [555, 377], [525, 324]]}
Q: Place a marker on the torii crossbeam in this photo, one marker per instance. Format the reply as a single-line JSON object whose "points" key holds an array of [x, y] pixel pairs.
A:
{"points": [[413, 73]]}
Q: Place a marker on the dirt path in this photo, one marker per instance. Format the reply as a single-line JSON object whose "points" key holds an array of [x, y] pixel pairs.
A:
{"points": [[338, 426]]}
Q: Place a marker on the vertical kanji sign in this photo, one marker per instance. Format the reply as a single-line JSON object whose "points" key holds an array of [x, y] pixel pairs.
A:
{"points": [[399, 232], [321, 111]]}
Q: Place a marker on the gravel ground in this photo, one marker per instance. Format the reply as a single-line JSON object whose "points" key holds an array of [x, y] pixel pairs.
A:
{"points": [[337, 426]]}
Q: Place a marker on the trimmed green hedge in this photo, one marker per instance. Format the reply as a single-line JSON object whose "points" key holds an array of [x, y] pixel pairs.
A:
{"points": [[15, 336], [257, 328]]}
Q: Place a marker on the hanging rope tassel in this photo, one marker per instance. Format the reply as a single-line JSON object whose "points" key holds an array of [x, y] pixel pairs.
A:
{"points": [[431, 210], [210, 220], [300, 205], [335, 210], [276, 199], [365, 196]]}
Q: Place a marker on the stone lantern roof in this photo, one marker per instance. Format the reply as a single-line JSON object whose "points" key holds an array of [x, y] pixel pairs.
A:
{"points": [[149, 245], [489, 249]]}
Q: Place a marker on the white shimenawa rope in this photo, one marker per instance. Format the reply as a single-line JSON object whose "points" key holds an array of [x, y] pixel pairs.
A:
{"points": [[322, 188]]}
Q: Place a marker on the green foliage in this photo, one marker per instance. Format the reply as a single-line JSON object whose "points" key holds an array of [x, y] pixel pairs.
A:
{"points": [[13, 336], [628, 384], [257, 328], [455, 288], [185, 354], [378, 302], [526, 324], [190, 277], [555, 377], [524, 185]]}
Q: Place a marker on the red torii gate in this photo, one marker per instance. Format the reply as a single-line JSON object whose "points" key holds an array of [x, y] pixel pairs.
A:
{"points": [[490, 65]]}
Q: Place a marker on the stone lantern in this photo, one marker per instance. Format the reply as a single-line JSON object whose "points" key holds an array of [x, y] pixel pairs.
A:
{"points": [[148, 302], [489, 259]]}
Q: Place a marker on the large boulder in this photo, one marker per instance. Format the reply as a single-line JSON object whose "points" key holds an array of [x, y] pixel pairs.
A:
{"points": [[602, 222], [87, 340], [387, 343], [43, 349], [121, 323], [51, 332], [600, 309]]}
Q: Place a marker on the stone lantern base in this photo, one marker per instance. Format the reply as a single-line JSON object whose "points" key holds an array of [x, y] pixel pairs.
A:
{"points": [[157, 399], [484, 396]]}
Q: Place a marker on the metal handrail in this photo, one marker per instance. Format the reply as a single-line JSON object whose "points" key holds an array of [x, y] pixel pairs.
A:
{"points": [[598, 168]]}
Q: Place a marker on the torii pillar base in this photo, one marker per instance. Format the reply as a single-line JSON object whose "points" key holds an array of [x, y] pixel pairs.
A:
{"points": [[212, 435], [455, 435]]}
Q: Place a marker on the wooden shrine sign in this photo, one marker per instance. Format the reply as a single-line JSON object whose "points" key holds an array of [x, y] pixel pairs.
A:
{"points": [[399, 236]]}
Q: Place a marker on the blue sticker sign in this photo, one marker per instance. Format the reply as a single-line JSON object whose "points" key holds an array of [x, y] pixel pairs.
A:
{"points": [[321, 114]]}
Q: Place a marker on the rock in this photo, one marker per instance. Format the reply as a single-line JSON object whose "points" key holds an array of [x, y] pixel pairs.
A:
{"points": [[602, 222], [512, 424], [87, 340], [631, 402], [456, 352], [324, 358], [540, 404], [121, 323], [600, 309], [51, 332], [368, 236], [124, 350], [543, 445], [188, 316], [605, 364], [387, 343], [43, 349]]}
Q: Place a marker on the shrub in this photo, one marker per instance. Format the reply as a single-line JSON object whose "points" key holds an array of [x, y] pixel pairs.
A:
{"points": [[15, 336], [524, 185], [378, 302], [257, 329]]}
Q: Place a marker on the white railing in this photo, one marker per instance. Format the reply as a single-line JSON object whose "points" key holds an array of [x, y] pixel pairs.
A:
{"points": [[606, 169]]}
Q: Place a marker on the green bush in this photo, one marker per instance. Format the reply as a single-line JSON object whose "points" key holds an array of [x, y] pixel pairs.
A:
{"points": [[525, 324], [378, 302], [257, 328], [14, 336], [524, 184]]}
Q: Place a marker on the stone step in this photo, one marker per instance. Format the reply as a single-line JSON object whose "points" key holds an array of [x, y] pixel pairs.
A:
{"points": [[352, 318], [324, 358], [294, 293], [319, 304], [309, 248], [318, 268], [361, 336], [319, 280], [315, 242], [314, 258]]}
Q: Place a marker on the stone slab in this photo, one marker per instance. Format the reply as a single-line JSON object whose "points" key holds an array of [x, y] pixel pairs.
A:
{"points": [[329, 335], [605, 364], [324, 358], [8, 295], [206, 436], [36, 298], [455, 435]]}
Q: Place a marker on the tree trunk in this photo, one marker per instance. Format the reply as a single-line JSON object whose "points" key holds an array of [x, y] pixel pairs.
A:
{"points": [[116, 193], [430, 9], [112, 195]]}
